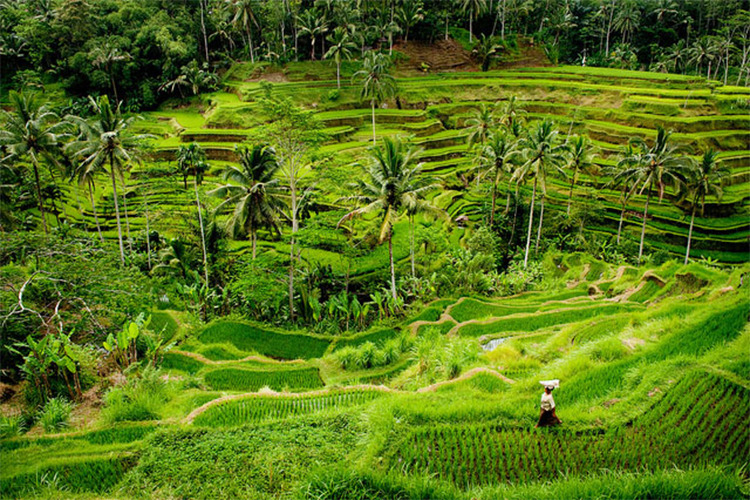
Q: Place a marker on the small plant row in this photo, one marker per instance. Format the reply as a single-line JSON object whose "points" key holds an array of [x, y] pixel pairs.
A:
{"points": [[118, 434], [237, 379], [261, 408], [707, 414], [90, 476], [479, 455], [269, 343]]}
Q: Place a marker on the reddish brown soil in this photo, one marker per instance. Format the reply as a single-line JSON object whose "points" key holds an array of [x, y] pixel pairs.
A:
{"points": [[441, 56]]}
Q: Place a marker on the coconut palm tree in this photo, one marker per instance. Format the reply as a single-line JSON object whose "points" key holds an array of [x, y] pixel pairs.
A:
{"points": [[254, 193], [377, 84], [312, 24], [108, 56], [702, 52], [704, 179], [511, 113], [87, 177], [541, 150], [409, 14], [479, 125], [494, 161], [32, 130], [624, 180], [628, 19], [474, 8], [653, 168], [105, 140], [341, 48], [244, 17], [486, 50], [392, 185], [579, 158], [191, 160]]}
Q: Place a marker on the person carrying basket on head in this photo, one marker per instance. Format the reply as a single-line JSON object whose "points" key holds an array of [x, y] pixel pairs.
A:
{"points": [[547, 416]]}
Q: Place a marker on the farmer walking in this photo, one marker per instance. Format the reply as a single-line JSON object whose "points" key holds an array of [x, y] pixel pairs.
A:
{"points": [[547, 414]]}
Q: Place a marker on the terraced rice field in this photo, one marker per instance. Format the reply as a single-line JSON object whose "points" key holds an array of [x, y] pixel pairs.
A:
{"points": [[610, 106]]}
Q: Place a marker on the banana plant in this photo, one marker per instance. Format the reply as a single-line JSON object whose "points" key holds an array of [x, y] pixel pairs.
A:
{"points": [[123, 346]]}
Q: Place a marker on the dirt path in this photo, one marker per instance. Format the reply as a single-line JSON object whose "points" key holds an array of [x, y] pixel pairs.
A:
{"points": [[260, 359]]}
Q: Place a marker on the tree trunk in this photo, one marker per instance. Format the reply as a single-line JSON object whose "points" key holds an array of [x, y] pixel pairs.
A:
{"points": [[570, 195], [494, 201], [312, 48], [250, 42], [96, 216], [446, 28], [471, 18], [148, 234], [374, 142], [338, 74], [127, 217], [393, 268], [253, 238], [114, 87], [203, 234], [507, 203], [411, 246], [609, 25], [203, 29], [643, 227], [541, 221], [291, 279], [531, 223], [515, 218], [117, 207], [619, 227], [35, 163], [690, 236]]}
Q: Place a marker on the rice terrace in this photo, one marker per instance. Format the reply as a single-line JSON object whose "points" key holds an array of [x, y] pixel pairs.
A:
{"points": [[375, 249]]}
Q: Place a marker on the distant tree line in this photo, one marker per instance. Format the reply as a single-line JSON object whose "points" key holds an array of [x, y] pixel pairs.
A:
{"points": [[142, 51]]}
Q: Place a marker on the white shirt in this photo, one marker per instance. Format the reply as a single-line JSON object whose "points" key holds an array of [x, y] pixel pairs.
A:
{"points": [[547, 402]]}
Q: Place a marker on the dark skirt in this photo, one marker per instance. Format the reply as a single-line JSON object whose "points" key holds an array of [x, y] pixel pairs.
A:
{"points": [[547, 418]]}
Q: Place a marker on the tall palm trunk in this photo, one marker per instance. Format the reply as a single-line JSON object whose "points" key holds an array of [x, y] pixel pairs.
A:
{"points": [[690, 235], [471, 18], [374, 142], [393, 268], [541, 221], [203, 234], [148, 234], [531, 223], [494, 201], [570, 195], [127, 217], [117, 206], [35, 162], [96, 216], [515, 218], [250, 42], [411, 246], [338, 73], [291, 279], [619, 227], [253, 238], [643, 227]]}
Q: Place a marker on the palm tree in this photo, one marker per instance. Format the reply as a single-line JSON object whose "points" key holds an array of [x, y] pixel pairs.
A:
{"points": [[620, 176], [702, 52], [33, 129], [486, 50], [541, 152], [341, 47], [88, 177], [106, 140], [312, 24], [244, 16], [479, 124], [107, 56], [409, 14], [474, 8], [705, 179], [628, 19], [377, 84], [494, 160], [579, 159], [653, 168], [253, 191], [511, 112], [191, 160], [392, 185]]}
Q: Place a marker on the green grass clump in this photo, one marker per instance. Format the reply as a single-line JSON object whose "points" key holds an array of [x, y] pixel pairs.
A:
{"points": [[237, 379], [246, 337], [262, 408], [483, 382], [55, 415], [163, 324], [378, 337]]}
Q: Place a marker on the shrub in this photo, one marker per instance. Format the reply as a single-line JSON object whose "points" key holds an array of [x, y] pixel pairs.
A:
{"points": [[55, 415], [139, 399]]}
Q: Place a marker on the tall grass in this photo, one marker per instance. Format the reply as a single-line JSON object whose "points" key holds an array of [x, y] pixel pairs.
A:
{"points": [[246, 337], [55, 415]]}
